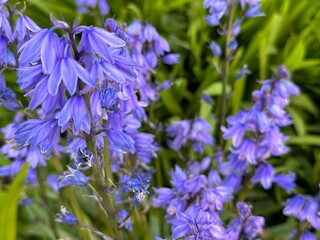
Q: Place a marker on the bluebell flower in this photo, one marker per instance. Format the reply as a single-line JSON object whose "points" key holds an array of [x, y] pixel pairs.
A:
{"points": [[37, 132], [286, 181], [215, 197], [243, 71], [254, 11], [4, 23], [53, 182], [96, 40], [206, 98], [283, 72], [68, 70], [104, 7], [145, 147], [308, 236], [136, 184], [294, 206], [66, 217], [26, 202], [166, 85], [11, 169], [120, 142], [244, 210], [236, 131], [249, 2], [104, 70], [195, 184], [8, 97], [84, 159], [151, 59], [253, 226], [265, 175], [180, 131], [23, 25], [163, 196], [195, 223], [111, 25], [75, 177], [275, 140], [122, 214], [171, 58], [215, 48], [233, 44], [175, 205], [45, 46], [139, 188], [83, 6], [217, 10], [236, 26], [149, 33], [247, 225], [75, 110], [247, 150], [161, 46], [212, 20], [310, 212]]}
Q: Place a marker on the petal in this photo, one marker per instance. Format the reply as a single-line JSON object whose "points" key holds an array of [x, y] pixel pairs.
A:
{"points": [[66, 112], [82, 73], [39, 94], [48, 52], [109, 38], [68, 74], [54, 80]]}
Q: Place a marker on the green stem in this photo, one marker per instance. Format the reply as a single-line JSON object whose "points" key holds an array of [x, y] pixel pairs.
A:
{"points": [[69, 194], [45, 201], [100, 175], [226, 75]]}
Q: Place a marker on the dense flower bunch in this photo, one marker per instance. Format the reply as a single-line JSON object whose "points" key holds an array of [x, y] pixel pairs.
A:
{"points": [[80, 80], [193, 203], [198, 131], [223, 8], [146, 46], [85, 6], [306, 210], [256, 134]]}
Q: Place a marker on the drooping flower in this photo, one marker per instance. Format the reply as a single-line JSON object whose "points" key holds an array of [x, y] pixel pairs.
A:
{"points": [[75, 111], [66, 217], [37, 132]]}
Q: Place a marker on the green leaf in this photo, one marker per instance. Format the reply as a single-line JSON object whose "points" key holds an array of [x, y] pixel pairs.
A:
{"points": [[295, 54], [305, 140], [303, 101], [169, 100], [215, 89], [9, 205], [298, 121]]}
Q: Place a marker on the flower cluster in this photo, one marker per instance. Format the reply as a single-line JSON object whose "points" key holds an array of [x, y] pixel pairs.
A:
{"points": [[84, 6], [81, 81], [194, 202], [198, 131], [146, 46], [305, 209], [223, 8], [256, 135], [245, 226]]}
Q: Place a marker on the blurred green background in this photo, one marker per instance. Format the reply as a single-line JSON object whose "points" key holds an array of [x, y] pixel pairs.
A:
{"points": [[289, 34]]}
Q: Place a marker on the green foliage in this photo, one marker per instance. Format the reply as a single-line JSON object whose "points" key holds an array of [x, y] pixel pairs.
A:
{"points": [[9, 205]]}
